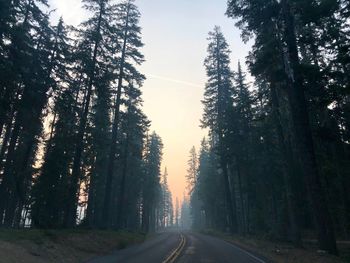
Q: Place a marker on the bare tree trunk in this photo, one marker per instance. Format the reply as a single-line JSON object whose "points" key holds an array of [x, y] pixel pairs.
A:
{"points": [[5, 142], [232, 222], [121, 199], [234, 197], [241, 197], [9, 183], [91, 203], [288, 170], [303, 137]]}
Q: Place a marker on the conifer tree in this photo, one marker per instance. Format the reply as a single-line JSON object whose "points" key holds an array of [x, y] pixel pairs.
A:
{"points": [[192, 169], [151, 182], [217, 106], [97, 46], [33, 53], [280, 15], [136, 125], [51, 183], [165, 201], [130, 38]]}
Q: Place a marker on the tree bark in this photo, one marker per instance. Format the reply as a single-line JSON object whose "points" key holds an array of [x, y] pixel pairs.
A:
{"points": [[241, 198], [303, 137], [120, 208], [9, 183], [288, 170]]}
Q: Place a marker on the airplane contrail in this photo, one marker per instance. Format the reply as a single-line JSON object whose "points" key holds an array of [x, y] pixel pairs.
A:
{"points": [[174, 80]]}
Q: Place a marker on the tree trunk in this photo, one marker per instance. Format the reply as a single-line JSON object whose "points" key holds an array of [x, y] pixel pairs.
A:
{"points": [[9, 183], [73, 195], [233, 198], [303, 137], [241, 198], [113, 149], [5, 142], [232, 222], [288, 170], [120, 208]]}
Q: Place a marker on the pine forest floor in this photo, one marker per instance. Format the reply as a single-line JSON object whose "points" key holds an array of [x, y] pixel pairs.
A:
{"points": [[279, 252], [56, 246]]}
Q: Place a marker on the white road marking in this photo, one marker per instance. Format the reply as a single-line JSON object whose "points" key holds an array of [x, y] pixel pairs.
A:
{"points": [[249, 254]]}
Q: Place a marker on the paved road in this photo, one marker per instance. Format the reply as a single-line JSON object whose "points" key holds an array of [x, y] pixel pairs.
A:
{"points": [[154, 250], [198, 249], [206, 249]]}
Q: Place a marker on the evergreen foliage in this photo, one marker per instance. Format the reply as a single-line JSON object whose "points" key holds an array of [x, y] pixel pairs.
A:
{"points": [[74, 140], [283, 137]]}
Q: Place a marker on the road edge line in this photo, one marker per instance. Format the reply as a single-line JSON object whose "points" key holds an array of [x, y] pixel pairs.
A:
{"points": [[247, 252]]}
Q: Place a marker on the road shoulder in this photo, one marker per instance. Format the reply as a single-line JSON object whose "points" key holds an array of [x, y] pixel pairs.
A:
{"points": [[282, 252]]}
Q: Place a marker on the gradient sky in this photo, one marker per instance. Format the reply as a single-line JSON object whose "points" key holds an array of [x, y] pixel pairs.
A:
{"points": [[175, 36]]}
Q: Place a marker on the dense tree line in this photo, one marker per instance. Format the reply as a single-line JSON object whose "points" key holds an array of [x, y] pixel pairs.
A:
{"points": [[277, 159], [185, 217], [165, 210], [74, 143]]}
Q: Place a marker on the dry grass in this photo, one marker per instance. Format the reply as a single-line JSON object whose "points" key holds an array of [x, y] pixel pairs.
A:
{"points": [[55, 246]]}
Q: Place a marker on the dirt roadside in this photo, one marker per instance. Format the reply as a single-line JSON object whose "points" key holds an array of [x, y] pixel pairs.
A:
{"points": [[56, 246]]}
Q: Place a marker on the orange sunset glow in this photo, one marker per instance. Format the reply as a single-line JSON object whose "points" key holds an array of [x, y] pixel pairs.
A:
{"points": [[174, 87]]}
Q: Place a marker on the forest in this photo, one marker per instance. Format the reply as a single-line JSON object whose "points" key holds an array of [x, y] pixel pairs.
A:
{"points": [[76, 148], [276, 161]]}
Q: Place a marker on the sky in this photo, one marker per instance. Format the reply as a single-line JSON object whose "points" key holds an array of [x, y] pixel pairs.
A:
{"points": [[175, 36]]}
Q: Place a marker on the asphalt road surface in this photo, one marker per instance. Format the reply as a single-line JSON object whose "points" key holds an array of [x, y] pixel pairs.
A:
{"points": [[207, 249], [174, 247]]}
